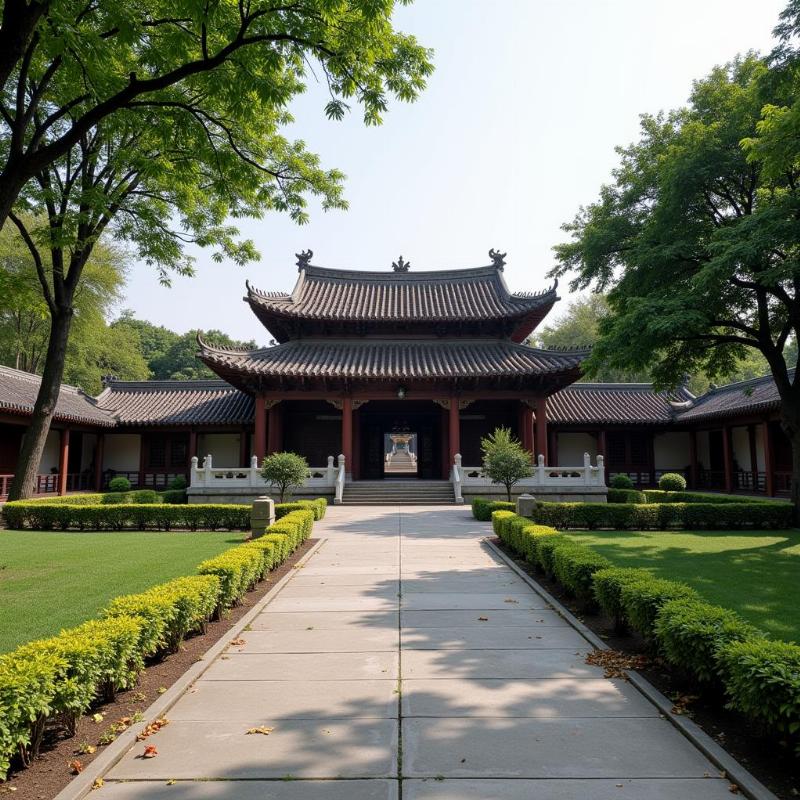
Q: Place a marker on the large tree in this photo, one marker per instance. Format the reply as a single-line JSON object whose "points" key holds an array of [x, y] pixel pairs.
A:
{"points": [[170, 168], [95, 348], [68, 65], [696, 242]]}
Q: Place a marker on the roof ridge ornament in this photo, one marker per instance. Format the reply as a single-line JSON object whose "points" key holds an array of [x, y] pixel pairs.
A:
{"points": [[400, 265], [498, 259], [304, 259]]}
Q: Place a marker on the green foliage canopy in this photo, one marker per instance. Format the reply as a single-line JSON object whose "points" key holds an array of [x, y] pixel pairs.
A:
{"points": [[504, 459], [284, 471]]}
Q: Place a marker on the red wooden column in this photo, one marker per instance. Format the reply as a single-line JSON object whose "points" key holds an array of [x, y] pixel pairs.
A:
{"points": [[727, 457], [601, 443], [693, 471], [347, 434], [275, 426], [751, 435], [445, 449], [260, 443], [192, 444], [526, 427], [541, 428], [454, 431], [98, 461], [63, 462], [769, 459]]}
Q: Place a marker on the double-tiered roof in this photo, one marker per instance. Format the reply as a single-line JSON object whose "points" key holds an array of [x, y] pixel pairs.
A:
{"points": [[339, 329]]}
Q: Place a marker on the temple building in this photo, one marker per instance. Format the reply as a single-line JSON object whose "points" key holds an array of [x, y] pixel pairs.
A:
{"points": [[398, 372]]}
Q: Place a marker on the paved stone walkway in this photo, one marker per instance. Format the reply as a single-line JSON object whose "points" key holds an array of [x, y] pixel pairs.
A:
{"points": [[405, 649]]}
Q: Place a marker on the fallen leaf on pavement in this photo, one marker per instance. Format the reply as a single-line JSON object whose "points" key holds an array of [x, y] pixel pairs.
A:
{"points": [[150, 751], [615, 663], [261, 729]]}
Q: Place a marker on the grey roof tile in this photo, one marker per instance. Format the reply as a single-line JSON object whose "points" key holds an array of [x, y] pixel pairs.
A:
{"points": [[18, 392]]}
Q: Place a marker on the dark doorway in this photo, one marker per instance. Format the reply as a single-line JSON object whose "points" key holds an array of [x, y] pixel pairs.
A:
{"points": [[380, 420]]}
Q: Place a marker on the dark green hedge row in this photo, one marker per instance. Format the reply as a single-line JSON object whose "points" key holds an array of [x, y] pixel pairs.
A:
{"points": [[482, 508], [710, 644], [662, 516], [659, 496], [56, 680], [159, 516]]}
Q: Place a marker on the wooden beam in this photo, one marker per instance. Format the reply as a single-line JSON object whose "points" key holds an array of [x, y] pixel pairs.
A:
{"points": [[63, 462], [454, 431], [347, 433], [541, 429], [769, 459], [260, 443], [727, 457]]}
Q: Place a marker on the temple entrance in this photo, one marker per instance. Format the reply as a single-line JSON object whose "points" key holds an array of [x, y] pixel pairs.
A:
{"points": [[400, 440]]}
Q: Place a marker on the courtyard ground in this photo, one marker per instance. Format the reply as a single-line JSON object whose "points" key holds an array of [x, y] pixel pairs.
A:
{"points": [[50, 580], [406, 651], [757, 573]]}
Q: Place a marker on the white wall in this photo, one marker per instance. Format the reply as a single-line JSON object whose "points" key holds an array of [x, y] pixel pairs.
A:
{"points": [[572, 446], [223, 448], [52, 449], [741, 448], [671, 450], [121, 452]]}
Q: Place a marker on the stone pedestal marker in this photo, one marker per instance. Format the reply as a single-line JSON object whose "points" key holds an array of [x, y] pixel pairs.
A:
{"points": [[262, 515], [526, 505]]}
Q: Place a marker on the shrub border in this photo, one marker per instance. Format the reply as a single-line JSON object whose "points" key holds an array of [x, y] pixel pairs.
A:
{"points": [[737, 773], [80, 786]]}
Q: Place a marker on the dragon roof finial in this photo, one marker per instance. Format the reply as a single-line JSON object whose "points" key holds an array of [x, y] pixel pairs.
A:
{"points": [[400, 265], [304, 258], [498, 258]]}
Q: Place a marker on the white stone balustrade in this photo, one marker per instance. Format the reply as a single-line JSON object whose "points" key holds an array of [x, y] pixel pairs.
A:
{"points": [[208, 476]]}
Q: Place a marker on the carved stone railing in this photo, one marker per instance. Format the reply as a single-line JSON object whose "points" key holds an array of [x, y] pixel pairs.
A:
{"points": [[338, 496], [541, 476], [206, 475], [455, 477]]}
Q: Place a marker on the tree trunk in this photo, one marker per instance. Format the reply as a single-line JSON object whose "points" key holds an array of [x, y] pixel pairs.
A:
{"points": [[35, 437]]}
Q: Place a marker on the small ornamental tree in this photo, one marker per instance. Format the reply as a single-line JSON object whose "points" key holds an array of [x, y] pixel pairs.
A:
{"points": [[505, 460], [284, 471]]}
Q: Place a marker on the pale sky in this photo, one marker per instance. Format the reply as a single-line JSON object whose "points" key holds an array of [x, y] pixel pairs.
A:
{"points": [[516, 130]]}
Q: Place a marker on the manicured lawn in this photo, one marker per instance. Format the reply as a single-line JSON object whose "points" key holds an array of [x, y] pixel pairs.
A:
{"points": [[757, 573], [52, 580]]}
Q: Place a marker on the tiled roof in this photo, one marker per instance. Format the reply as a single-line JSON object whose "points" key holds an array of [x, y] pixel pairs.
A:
{"points": [[414, 359], [176, 403], [414, 297], [18, 391], [744, 397], [613, 403]]}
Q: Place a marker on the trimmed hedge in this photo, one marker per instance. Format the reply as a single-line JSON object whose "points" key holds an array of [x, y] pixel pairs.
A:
{"points": [[319, 506], [662, 516], [626, 496], [691, 632], [58, 679], [761, 678], [762, 681], [482, 508], [661, 496]]}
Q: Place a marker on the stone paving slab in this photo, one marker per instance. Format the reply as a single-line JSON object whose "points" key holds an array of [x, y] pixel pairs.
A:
{"points": [[505, 617], [558, 697], [507, 664], [491, 638], [344, 569], [261, 702], [549, 748], [614, 789], [319, 602], [302, 620], [305, 666], [476, 600], [358, 748], [337, 578], [320, 641], [384, 589], [472, 583], [253, 790]]}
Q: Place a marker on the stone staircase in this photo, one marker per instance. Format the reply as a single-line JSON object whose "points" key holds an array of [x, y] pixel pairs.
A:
{"points": [[398, 493]]}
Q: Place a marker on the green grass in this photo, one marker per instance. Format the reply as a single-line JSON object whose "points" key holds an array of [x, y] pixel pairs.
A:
{"points": [[756, 573], [53, 580]]}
